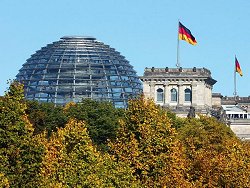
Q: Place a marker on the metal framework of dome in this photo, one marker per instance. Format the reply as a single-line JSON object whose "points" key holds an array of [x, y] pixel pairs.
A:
{"points": [[75, 68]]}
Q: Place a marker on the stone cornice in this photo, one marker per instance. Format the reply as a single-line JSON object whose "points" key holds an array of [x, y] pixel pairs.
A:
{"points": [[177, 75]]}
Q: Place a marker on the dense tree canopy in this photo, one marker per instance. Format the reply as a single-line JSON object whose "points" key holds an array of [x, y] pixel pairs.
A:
{"points": [[216, 157], [72, 160], [45, 116], [148, 144], [145, 146], [20, 155], [101, 118]]}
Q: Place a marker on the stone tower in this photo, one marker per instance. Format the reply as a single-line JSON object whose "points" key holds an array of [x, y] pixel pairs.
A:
{"points": [[179, 88]]}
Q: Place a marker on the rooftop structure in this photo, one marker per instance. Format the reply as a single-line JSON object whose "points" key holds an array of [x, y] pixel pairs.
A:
{"points": [[243, 102], [235, 112], [238, 119], [75, 68]]}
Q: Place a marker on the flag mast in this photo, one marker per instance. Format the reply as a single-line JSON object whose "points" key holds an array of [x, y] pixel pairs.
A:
{"points": [[235, 93], [178, 45]]}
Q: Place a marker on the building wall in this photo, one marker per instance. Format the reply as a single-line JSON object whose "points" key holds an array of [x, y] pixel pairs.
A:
{"points": [[147, 90], [216, 100], [208, 95], [201, 94], [241, 127]]}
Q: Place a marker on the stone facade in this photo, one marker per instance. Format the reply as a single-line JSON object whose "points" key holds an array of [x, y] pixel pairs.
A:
{"points": [[241, 127], [216, 100], [178, 89]]}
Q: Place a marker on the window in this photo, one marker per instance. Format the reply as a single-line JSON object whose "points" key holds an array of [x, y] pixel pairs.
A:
{"points": [[159, 95], [188, 95], [173, 95]]}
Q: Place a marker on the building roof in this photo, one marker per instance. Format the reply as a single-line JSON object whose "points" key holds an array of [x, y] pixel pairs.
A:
{"points": [[235, 100], [233, 109], [217, 95]]}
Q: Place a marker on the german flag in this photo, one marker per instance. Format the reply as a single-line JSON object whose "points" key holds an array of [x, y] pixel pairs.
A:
{"points": [[185, 34], [237, 67]]}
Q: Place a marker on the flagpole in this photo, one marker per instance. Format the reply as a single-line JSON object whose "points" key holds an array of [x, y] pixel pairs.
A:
{"points": [[235, 93], [178, 46]]}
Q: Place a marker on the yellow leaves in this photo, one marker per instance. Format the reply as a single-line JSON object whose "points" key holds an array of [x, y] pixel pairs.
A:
{"points": [[68, 106], [148, 144], [29, 127], [212, 155], [72, 160], [215, 159], [4, 182], [147, 152], [56, 148]]}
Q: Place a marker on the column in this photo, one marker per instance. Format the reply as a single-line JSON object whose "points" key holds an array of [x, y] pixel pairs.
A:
{"points": [[166, 94], [180, 94], [194, 93], [152, 90]]}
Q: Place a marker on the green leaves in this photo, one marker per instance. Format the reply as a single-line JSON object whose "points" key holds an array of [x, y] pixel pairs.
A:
{"points": [[147, 143], [45, 116], [145, 146], [20, 156], [101, 119]]}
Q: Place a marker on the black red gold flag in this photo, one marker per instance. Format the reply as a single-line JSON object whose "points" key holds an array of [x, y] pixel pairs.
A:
{"points": [[185, 34], [237, 67]]}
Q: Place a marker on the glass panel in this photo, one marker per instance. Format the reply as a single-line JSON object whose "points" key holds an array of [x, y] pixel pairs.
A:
{"points": [[115, 90], [128, 89], [188, 95], [114, 78], [159, 95], [173, 95]]}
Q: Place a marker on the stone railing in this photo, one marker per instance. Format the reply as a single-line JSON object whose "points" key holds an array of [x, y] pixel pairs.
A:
{"points": [[184, 71]]}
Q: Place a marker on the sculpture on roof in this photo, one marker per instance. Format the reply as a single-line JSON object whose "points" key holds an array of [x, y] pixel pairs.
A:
{"points": [[191, 112]]}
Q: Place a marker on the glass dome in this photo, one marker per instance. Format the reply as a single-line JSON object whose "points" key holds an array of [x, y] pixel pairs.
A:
{"points": [[75, 68]]}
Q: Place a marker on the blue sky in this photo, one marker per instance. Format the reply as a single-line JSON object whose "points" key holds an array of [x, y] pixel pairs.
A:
{"points": [[144, 31]]}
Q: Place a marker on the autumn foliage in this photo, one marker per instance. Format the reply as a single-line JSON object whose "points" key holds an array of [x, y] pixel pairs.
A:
{"points": [[148, 144], [96, 145]]}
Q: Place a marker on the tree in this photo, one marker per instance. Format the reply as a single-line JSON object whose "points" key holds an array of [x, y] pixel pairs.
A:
{"points": [[20, 157], [176, 122], [101, 118], [45, 116], [147, 142], [72, 160], [215, 155]]}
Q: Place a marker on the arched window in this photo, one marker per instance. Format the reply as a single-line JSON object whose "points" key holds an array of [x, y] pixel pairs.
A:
{"points": [[173, 95], [188, 95], [159, 95]]}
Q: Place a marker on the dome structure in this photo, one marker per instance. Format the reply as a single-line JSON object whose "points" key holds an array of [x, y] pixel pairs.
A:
{"points": [[75, 68]]}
